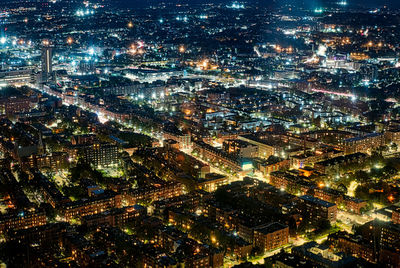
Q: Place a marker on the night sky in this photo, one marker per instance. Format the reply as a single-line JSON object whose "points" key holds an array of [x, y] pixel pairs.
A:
{"points": [[369, 3]]}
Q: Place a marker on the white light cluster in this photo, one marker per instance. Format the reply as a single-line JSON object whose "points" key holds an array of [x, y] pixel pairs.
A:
{"points": [[236, 5], [82, 13]]}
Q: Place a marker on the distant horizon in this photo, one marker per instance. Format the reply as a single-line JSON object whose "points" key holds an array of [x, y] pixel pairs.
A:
{"points": [[310, 3], [366, 3]]}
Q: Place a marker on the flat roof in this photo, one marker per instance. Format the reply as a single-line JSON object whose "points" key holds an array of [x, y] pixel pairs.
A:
{"points": [[318, 201]]}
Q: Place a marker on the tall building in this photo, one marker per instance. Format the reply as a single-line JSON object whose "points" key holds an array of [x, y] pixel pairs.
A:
{"points": [[47, 64], [100, 154]]}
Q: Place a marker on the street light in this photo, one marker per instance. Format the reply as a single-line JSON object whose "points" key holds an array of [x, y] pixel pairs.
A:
{"points": [[70, 40]]}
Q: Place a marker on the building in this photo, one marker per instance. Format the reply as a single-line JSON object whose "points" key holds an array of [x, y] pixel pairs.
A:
{"points": [[264, 148], [385, 238], [322, 256], [184, 139], [328, 195], [271, 236], [115, 217], [154, 257], [354, 245], [54, 161], [215, 155], [212, 182], [15, 105], [17, 77], [83, 139], [396, 215], [333, 165], [267, 166], [192, 200], [99, 154], [47, 63], [288, 260], [364, 144], [95, 204], [309, 158], [168, 190], [240, 148], [51, 233], [22, 220], [392, 136], [354, 205], [294, 184], [315, 210]]}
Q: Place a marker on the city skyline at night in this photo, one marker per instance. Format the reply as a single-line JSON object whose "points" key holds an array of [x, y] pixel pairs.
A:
{"points": [[199, 133]]}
